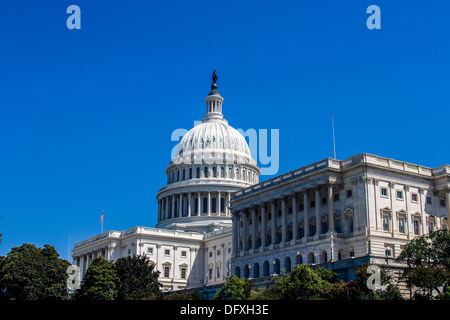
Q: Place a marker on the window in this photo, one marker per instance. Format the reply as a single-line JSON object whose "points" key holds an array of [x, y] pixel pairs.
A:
{"points": [[210, 254], [416, 227], [324, 200], [401, 225], [442, 203], [300, 207], [210, 273], [430, 228], [166, 271], [384, 192], [429, 200], [183, 254], [336, 197], [400, 195], [213, 205], [349, 193], [312, 204], [414, 197], [196, 205], [150, 250], [388, 252], [218, 272], [222, 205], [205, 205], [385, 222], [350, 224], [218, 252], [167, 252], [198, 172], [190, 173], [183, 272]]}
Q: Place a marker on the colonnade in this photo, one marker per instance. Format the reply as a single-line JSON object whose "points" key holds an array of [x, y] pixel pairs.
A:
{"points": [[271, 218], [187, 204]]}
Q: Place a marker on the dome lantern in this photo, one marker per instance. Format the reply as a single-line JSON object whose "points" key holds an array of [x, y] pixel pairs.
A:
{"points": [[213, 101]]}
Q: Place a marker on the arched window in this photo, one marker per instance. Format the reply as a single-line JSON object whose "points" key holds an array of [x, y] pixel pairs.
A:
{"points": [[311, 258], [214, 172], [237, 272], [198, 173], [298, 259], [266, 269], [276, 266], [222, 205], [184, 174], [196, 203], [256, 270], [246, 271], [205, 172], [222, 172], [205, 205], [287, 264], [190, 173], [213, 205]]}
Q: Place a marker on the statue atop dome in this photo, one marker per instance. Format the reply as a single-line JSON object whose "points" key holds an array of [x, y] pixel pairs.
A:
{"points": [[214, 85], [214, 77]]}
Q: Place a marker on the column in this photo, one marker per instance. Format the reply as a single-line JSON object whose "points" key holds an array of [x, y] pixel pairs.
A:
{"points": [[218, 208], [172, 213], [274, 226], [189, 205], [158, 219], [253, 228], [408, 223], [283, 220], [317, 206], [245, 227], [330, 208], [263, 225], [81, 265], [422, 211], [180, 206], [199, 204], [166, 208], [305, 215], [227, 210], [294, 217], [209, 204], [393, 213], [235, 235]]}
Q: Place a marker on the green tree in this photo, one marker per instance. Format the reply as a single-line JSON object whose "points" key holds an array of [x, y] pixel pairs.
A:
{"points": [[427, 260], [358, 289], [31, 273], [303, 283], [234, 288], [100, 281], [137, 278]]}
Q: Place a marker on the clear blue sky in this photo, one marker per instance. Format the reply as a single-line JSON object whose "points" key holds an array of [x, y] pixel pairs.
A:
{"points": [[86, 116]]}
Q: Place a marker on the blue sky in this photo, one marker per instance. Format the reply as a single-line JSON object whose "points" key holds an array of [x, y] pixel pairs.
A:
{"points": [[86, 116]]}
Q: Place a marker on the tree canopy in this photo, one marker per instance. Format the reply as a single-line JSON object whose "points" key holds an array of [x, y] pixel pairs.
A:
{"points": [[31, 273]]}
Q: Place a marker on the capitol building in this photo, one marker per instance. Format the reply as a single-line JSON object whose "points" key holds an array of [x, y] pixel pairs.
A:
{"points": [[215, 218]]}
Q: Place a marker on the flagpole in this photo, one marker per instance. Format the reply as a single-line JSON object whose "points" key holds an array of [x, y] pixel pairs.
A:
{"points": [[103, 211]]}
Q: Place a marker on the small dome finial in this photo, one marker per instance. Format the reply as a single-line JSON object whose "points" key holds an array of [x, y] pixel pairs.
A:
{"points": [[214, 85]]}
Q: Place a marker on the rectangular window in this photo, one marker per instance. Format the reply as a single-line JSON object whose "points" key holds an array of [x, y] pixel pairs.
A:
{"points": [[414, 197], [388, 252], [150, 250], [167, 252], [430, 228], [416, 227], [210, 274], [324, 200], [385, 223], [400, 195], [384, 192], [429, 200], [166, 271], [336, 197], [183, 273], [442, 203], [312, 204], [349, 193], [401, 225], [183, 254]]}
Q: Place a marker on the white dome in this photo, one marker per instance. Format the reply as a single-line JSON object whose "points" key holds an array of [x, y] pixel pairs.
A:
{"points": [[213, 139]]}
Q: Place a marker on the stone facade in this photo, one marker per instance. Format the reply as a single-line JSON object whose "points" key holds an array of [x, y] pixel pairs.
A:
{"points": [[364, 206]]}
